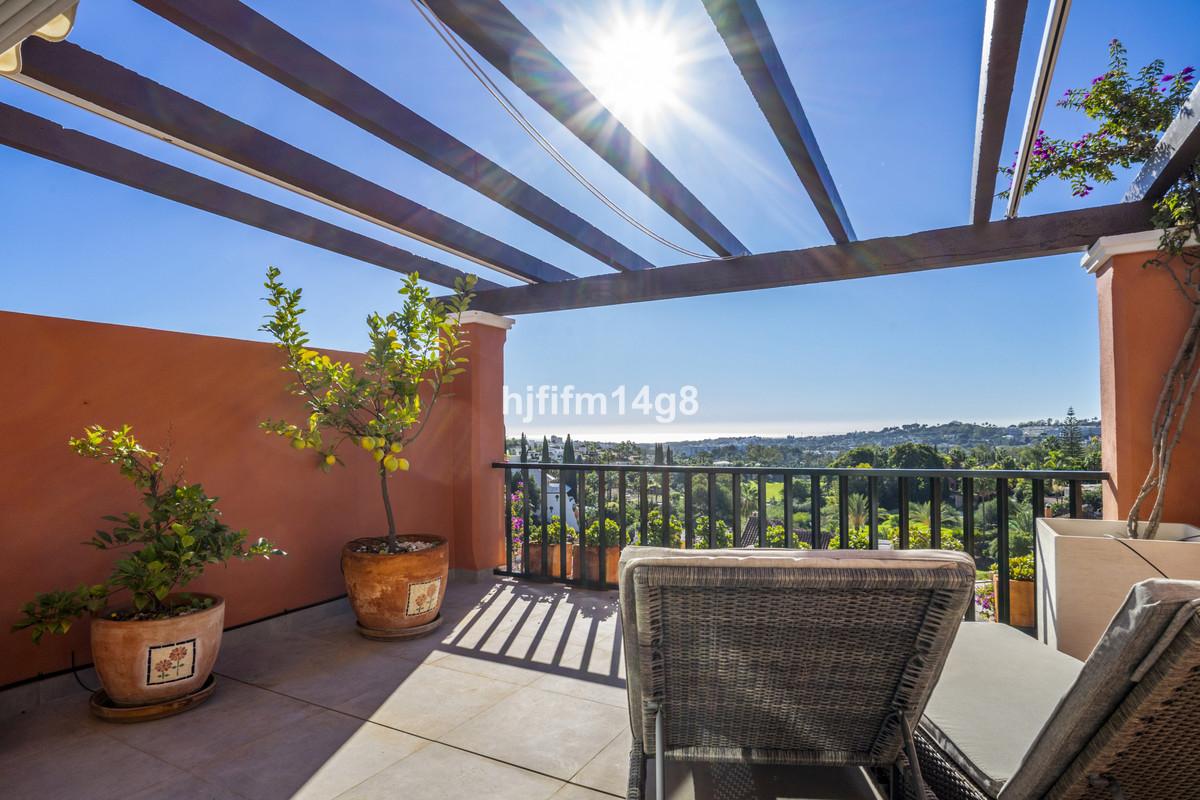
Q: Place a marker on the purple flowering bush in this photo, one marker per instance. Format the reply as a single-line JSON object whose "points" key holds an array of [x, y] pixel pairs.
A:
{"points": [[1133, 111]]}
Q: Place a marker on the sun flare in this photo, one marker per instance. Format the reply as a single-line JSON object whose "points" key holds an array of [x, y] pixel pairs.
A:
{"points": [[635, 68]]}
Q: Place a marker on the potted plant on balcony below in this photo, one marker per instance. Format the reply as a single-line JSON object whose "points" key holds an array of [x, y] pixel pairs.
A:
{"points": [[1021, 583], [396, 583], [554, 545], [587, 557], [159, 643]]}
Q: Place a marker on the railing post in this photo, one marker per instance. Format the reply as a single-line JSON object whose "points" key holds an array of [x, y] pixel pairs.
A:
{"points": [[737, 506], [762, 509], [689, 521], [968, 493], [562, 522], [621, 489], [903, 488], [872, 512], [545, 524], [1076, 498], [644, 508], [508, 521], [787, 509], [814, 501], [712, 510], [935, 512], [1002, 607], [844, 512], [1038, 490], [666, 508], [602, 537]]}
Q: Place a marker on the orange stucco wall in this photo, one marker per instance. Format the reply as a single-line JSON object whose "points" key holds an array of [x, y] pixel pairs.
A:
{"points": [[203, 397], [1142, 320]]}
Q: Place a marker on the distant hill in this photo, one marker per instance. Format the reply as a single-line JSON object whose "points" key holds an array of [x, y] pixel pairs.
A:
{"points": [[943, 436]]}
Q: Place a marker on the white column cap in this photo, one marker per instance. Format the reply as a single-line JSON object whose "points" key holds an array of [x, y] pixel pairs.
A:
{"points": [[486, 318]]}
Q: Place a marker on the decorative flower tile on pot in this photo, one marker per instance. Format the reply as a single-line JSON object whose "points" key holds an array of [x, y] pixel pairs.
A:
{"points": [[167, 663], [423, 597]]}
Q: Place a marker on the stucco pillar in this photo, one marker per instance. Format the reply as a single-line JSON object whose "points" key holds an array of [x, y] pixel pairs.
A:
{"points": [[478, 399], [1142, 321]]}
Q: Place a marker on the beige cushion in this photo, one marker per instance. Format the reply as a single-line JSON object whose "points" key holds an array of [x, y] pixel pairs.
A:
{"points": [[1134, 639], [997, 690]]}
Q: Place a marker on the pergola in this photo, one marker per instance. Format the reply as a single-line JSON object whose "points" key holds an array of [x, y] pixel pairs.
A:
{"points": [[90, 81]]}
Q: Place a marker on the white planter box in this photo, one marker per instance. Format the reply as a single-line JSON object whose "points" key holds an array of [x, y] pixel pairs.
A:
{"points": [[1086, 568]]}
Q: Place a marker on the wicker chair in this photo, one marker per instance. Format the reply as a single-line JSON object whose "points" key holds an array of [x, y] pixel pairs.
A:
{"points": [[783, 657], [1014, 719]]}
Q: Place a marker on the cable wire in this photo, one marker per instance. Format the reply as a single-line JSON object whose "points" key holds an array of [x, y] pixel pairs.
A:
{"points": [[459, 49]]}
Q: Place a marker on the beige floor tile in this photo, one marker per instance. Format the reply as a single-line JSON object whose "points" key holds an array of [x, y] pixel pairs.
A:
{"points": [[370, 749], [581, 686], [609, 770], [572, 792], [493, 667], [431, 701], [542, 731], [323, 755], [235, 715], [437, 772]]}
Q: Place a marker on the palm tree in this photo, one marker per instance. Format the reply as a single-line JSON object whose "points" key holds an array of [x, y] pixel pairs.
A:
{"points": [[919, 512], [858, 510]]}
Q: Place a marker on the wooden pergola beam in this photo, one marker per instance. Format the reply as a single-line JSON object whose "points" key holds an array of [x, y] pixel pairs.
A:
{"points": [[746, 34], [1177, 150], [70, 73], [1003, 23], [497, 35], [256, 41], [41, 137], [1039, 96], [1003, 240]]}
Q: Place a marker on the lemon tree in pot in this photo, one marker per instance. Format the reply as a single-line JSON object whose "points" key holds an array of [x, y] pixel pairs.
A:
{"points": [[395, 583], [157, 642]]}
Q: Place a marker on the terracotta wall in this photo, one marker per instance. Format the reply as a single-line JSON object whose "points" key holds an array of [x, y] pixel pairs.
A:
{"points": [[1142, 320], [204, 396]]}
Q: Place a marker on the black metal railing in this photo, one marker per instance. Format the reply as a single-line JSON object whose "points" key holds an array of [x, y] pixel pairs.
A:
{"points": [[597, 509]]}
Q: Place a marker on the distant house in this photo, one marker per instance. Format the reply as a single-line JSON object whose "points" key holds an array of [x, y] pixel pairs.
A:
{"points": [[554, 507]]}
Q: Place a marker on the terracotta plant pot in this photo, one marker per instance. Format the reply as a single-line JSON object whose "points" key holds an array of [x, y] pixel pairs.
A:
{"points": [[1020, 601], [589, 569], [393, 593], [150, 661], [555, 558]]}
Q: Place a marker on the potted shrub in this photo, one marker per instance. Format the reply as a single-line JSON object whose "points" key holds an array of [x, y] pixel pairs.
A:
{"points": [[1021, 583], [554, 545], [158, 643], [587, 557], [395, 583]]}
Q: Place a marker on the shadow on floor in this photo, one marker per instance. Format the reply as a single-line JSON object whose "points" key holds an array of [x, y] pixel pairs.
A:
{"points": [[517, 695]]}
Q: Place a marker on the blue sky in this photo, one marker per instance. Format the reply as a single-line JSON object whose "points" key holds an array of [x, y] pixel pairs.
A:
{"points": [[890, 90]]}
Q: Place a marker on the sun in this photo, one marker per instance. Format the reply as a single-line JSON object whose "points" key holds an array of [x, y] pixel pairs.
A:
{"points": [[634, 68]]}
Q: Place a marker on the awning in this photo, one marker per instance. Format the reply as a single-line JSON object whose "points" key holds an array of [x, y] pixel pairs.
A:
{"points": [[20, 19]]}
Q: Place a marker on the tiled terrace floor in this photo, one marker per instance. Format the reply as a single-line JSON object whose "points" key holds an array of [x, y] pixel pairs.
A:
{"points": [[519, 695]]}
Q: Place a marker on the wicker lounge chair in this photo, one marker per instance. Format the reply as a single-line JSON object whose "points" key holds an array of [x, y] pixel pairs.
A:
{"points": [[1014, 719], [783, 657]]}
